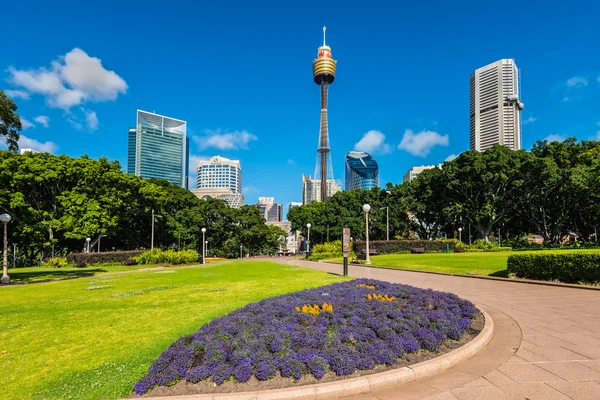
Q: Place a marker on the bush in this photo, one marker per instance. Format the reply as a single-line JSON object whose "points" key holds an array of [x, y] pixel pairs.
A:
{"points": [[396, 246], [99, 258], [565, 267], [57, 262], [327, 250], [158, 256], [488, 250]]}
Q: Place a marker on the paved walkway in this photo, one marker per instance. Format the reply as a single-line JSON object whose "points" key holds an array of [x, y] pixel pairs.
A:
{"points": [[546, 342]]}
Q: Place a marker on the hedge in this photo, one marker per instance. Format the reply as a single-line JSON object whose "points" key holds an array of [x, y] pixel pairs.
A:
{"points": [[565, 267], [395, 246], [158, 256], [99, 258]]}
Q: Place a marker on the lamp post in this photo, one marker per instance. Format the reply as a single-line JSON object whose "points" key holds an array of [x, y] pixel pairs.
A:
{"points": [[203, 245], [308, 239], [241, 248], [14, 255], [206, 244], [459, 234], [152, 240], [87, 245], [5, 219], [366, 209]]}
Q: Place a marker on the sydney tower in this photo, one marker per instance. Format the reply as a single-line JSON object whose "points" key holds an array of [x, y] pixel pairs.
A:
{"points": [[324, 74]]}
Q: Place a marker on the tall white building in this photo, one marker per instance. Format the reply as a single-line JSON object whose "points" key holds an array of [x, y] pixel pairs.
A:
{"points": [[311, 189], [495, 106], [416, 170], [220, 178]]}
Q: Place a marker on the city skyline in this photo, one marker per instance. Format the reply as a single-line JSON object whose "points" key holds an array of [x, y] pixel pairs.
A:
{"points": [[418, 117]]}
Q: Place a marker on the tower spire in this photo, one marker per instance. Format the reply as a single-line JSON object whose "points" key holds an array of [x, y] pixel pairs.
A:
{"points": [[324, 29]]}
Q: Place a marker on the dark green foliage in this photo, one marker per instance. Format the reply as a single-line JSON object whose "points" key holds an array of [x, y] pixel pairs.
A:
{"points": [[158, 256], [395, 246], [564, 267], [100, 258], [10, 122]]}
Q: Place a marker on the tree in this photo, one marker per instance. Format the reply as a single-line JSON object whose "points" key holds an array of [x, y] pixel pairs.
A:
{"points": [[10, 122]]}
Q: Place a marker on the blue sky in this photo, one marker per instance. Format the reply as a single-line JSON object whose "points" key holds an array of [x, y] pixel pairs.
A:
{"points": [[240, 74]]}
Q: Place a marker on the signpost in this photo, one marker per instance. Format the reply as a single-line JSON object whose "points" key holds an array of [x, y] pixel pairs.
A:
{"points": [[346, 248]]}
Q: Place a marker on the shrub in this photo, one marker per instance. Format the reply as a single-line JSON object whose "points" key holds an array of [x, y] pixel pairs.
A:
{"points": [[99, 258], [396, 246], [327, 250], [565, 267], [57, 262], [158, 256]]}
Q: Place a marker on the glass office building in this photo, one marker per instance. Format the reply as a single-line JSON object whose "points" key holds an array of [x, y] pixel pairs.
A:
{"points": [[159, 148], [362, 171]]}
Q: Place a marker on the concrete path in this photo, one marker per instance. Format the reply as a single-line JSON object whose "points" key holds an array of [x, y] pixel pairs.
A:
{"points": [[546, 341]]}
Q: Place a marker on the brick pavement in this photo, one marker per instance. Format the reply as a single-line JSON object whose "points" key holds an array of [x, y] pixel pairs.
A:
{"points": [[546, 342]]}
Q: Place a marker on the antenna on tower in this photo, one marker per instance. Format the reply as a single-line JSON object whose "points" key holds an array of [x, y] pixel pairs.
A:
{"points": [[324, 29]]}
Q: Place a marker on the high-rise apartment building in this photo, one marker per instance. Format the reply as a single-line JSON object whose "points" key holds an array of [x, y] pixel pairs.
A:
{"points": [[495, 106], [414, 171], [362, 171], [158, 148], [220, 178], [311, 189], [269, 210]]}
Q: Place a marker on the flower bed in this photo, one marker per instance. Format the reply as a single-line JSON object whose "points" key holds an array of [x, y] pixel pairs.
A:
{"points": [[340, 328]]}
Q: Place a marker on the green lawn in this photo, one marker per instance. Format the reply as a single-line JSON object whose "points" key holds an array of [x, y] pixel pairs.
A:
{"points": [[491, 264], [94, 338]]}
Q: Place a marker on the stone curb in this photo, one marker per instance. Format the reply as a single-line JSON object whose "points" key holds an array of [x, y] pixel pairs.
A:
{"points": [[489, 278], [362, 384]]}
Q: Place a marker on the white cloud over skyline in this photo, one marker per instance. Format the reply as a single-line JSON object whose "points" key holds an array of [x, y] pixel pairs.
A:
{"points": [[420, 144], [373, 142], [555, 138], [43, 147], [43, 120], [26, 124], [17, 94], [91, 119], [234, 140]]}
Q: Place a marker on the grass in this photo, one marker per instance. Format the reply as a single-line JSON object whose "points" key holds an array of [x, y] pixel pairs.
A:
{"points": [[94, 338], [490, 264]]}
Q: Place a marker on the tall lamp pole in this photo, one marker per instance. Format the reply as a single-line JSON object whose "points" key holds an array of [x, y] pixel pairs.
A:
{"points": [[152, 240], [87, 244], [459, 234], [5, 219], [308, 239], [14, 255], [203, 245], [241, 247], [366, 209]]}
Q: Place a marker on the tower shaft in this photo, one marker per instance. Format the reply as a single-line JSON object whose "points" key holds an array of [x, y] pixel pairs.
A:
{"points": [[324, 142]]}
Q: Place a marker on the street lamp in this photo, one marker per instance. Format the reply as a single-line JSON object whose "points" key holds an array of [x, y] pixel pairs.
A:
{"points": [[241, 248], [87, 245], [459, 234], [152, 240], [308, 238], [203, 245], [366, 209], [206, 243], [5, 219], [14, 255]]}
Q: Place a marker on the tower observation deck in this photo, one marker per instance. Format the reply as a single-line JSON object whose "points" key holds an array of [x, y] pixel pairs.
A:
{"points": [[324, 74]]}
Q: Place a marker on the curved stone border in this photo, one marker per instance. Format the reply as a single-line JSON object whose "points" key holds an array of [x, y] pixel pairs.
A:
{"points": [[362, 384]]}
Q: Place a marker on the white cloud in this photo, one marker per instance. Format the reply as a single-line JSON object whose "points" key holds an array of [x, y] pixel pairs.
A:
{"points": [[75, 124], [25, 124], [42, 119], [555, 138], [451, 157], [529, 120], [577, 81], [420, 144], [249, 189], [28, 143], [73, 78], [91, 119], [291, 162], [373, 142], [17, 94], [225, 141]]}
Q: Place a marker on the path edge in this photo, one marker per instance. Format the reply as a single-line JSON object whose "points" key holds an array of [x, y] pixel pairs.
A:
{"points": [[362, 384]]}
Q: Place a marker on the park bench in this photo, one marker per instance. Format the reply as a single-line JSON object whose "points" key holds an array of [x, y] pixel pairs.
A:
{"points": [[417, 250], [363, 255]]}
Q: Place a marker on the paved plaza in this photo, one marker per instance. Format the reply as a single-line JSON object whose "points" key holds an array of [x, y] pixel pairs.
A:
{"points": [[546, 342]]}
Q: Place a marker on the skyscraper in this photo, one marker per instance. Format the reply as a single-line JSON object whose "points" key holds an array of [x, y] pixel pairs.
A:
{"points": [[220, 178], [495, 109], [158, 148], [269, 210], [324, 74], [311, 189], [362, 171]]}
